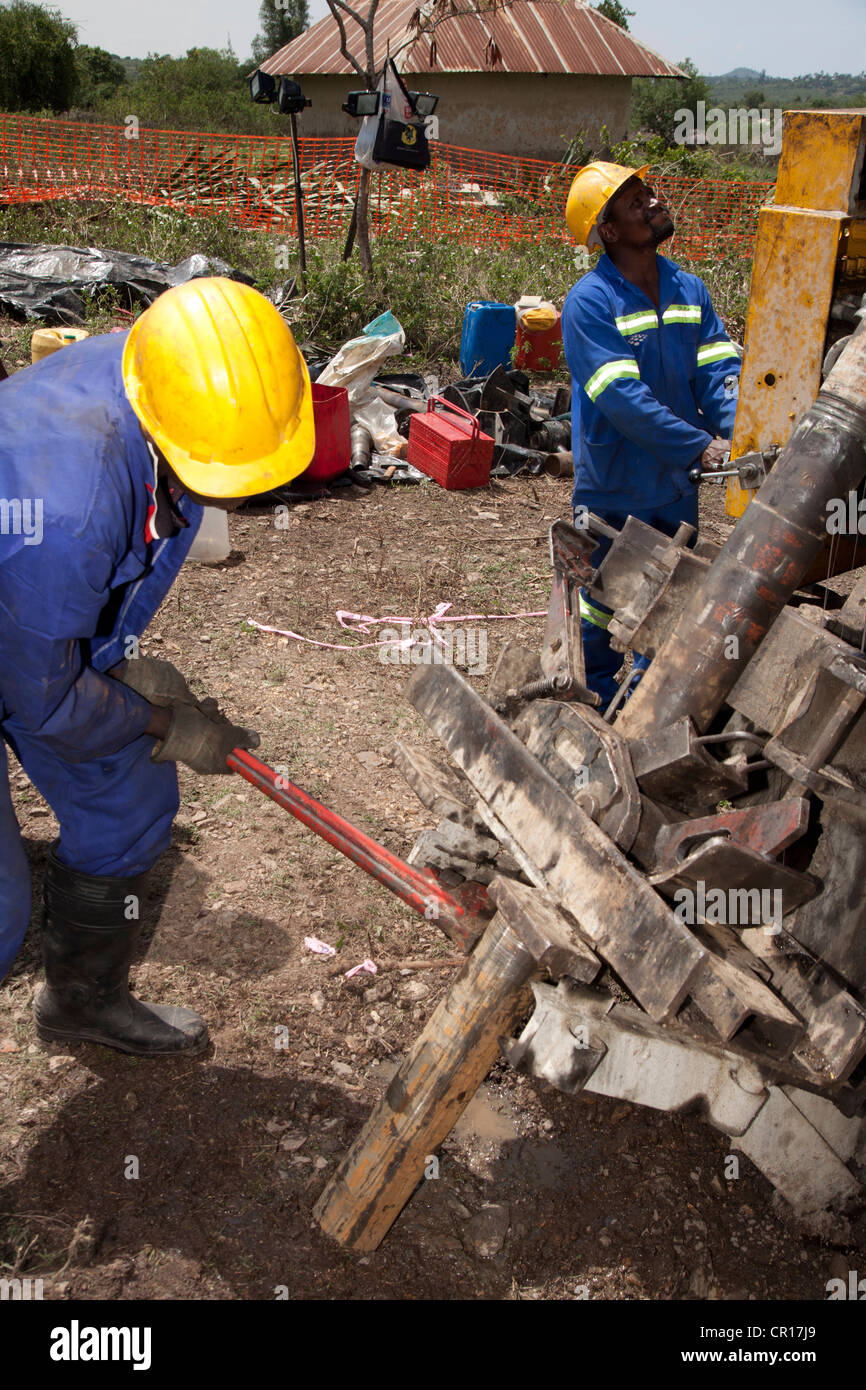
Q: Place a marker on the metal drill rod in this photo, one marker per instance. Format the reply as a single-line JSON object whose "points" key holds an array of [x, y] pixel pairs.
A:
{"points": [[419, 892], [763, 561]]}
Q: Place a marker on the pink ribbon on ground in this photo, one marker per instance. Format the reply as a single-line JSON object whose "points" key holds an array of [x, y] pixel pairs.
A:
{"points": [[369, 965], [362, 622], [321, 948]]}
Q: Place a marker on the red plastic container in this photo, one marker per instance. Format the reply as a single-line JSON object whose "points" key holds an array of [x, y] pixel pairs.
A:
{"points": [[538, 351], [454, 452], [333, 448]]}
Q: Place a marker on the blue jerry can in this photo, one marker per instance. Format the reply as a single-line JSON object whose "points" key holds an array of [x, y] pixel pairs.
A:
{"points": [[489, 330]]}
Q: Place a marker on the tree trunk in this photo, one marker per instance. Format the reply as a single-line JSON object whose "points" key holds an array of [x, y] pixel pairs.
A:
{"points": [[363, 227]]}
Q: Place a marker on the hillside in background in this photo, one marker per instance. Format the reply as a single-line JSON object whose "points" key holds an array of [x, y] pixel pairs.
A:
{"points": [[748, 87]]}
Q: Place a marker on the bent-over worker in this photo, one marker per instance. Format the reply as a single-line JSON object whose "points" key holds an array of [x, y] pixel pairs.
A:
{"points": [[114, 444]]}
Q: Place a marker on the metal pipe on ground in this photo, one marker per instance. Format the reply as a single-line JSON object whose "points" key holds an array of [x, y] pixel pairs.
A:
{"points": [[361, 445], [514, 456], [762, 562], [398, 401], [560, 464], [551, 435], [420, 892]]}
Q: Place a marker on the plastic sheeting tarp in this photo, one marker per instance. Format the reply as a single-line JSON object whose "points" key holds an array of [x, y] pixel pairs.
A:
{"points": [[355, 366], [52, 283]]}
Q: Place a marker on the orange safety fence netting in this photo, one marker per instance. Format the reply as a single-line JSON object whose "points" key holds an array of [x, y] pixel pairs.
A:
{"points": [[469, 194]]}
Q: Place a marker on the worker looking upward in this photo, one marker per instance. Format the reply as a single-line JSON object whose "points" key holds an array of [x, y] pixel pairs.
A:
{"points": [[654, 378], [115, 443]]}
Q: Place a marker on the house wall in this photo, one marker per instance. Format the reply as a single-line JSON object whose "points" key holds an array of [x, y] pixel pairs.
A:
{"points": [[532, 114]]}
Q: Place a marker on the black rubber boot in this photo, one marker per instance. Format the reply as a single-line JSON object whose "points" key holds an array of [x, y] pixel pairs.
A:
{"points": [[88, 944]]}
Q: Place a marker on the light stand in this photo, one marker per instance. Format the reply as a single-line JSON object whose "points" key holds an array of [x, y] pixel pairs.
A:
{"points": [[290, 101]]}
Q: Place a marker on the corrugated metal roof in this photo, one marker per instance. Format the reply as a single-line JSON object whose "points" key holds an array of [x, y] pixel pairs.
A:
{"points": [[532, 35]]}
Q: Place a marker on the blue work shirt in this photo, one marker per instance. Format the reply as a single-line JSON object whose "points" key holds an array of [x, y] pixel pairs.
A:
{"points": [[77, 585], [650, 389]]}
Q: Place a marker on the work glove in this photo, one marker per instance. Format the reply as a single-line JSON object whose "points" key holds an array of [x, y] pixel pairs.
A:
{"points": [[200, 742], [157, 681], [715, 455]]}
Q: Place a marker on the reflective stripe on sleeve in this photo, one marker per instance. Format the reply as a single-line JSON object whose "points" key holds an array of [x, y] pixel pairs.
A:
{"points": [[682, 313], [636, 323], [591, 614], [716, 352], [611, 371]]}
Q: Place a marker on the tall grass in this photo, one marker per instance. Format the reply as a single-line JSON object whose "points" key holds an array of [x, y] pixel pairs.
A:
{"points": [[425, 283]]}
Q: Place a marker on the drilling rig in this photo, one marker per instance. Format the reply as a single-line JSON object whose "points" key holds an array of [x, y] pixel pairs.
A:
{"points": [[679, 880]]}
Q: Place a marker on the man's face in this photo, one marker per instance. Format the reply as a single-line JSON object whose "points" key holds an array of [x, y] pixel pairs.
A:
{"points": [[636, 218]]}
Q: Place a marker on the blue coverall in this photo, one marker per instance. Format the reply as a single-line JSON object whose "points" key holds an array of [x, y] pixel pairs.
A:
{"points": [[72, 592], [650, 390]]}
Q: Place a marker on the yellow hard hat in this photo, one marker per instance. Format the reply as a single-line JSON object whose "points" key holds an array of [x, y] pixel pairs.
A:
{"points": [[590, 193], [214, 375]]}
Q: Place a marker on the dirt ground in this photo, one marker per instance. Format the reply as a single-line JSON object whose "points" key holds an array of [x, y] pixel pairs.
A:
{"points": [[538, 1196]]}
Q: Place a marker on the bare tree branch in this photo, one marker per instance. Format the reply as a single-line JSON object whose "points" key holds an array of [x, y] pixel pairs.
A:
{"points": [[424, 21], [435, 11], [342, 5], [344, 47], [426, 24], [371, 15]]}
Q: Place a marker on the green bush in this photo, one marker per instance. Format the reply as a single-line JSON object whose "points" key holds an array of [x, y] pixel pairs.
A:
{"points": [[206, 90], [99, 74], [37, 59], [655, 100], [614, 10], [426, 285]]}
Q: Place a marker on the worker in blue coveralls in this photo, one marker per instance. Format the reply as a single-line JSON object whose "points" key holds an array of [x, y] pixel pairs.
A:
{"points": [[654, 380], [108, 449]]}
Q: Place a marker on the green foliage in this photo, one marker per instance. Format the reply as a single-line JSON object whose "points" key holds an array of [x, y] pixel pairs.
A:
{"points": [[37, 58], [613, 9], [579, 150], [753, 98], [812, 90], [425, 283], [132, 67], [655, 100], [99, 74], [728, 280], [205, 90], [428, 284], [708, 162], [279, 26]]}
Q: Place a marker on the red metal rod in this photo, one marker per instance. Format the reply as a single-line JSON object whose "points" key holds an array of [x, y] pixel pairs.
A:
{"points": [[423, 894]]}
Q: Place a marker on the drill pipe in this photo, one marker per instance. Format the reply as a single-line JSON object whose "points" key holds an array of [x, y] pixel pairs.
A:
{"points": [[762, 562], [420, 892]]}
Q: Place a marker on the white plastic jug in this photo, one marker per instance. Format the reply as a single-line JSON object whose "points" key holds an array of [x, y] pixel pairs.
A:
{"points": [[211, 544]]}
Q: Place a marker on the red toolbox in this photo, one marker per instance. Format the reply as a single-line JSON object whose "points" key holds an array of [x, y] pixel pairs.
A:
{"points": [[452, 450]]}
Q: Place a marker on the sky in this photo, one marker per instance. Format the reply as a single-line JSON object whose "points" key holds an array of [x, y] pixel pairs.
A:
{"points": [[786, 37]]}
